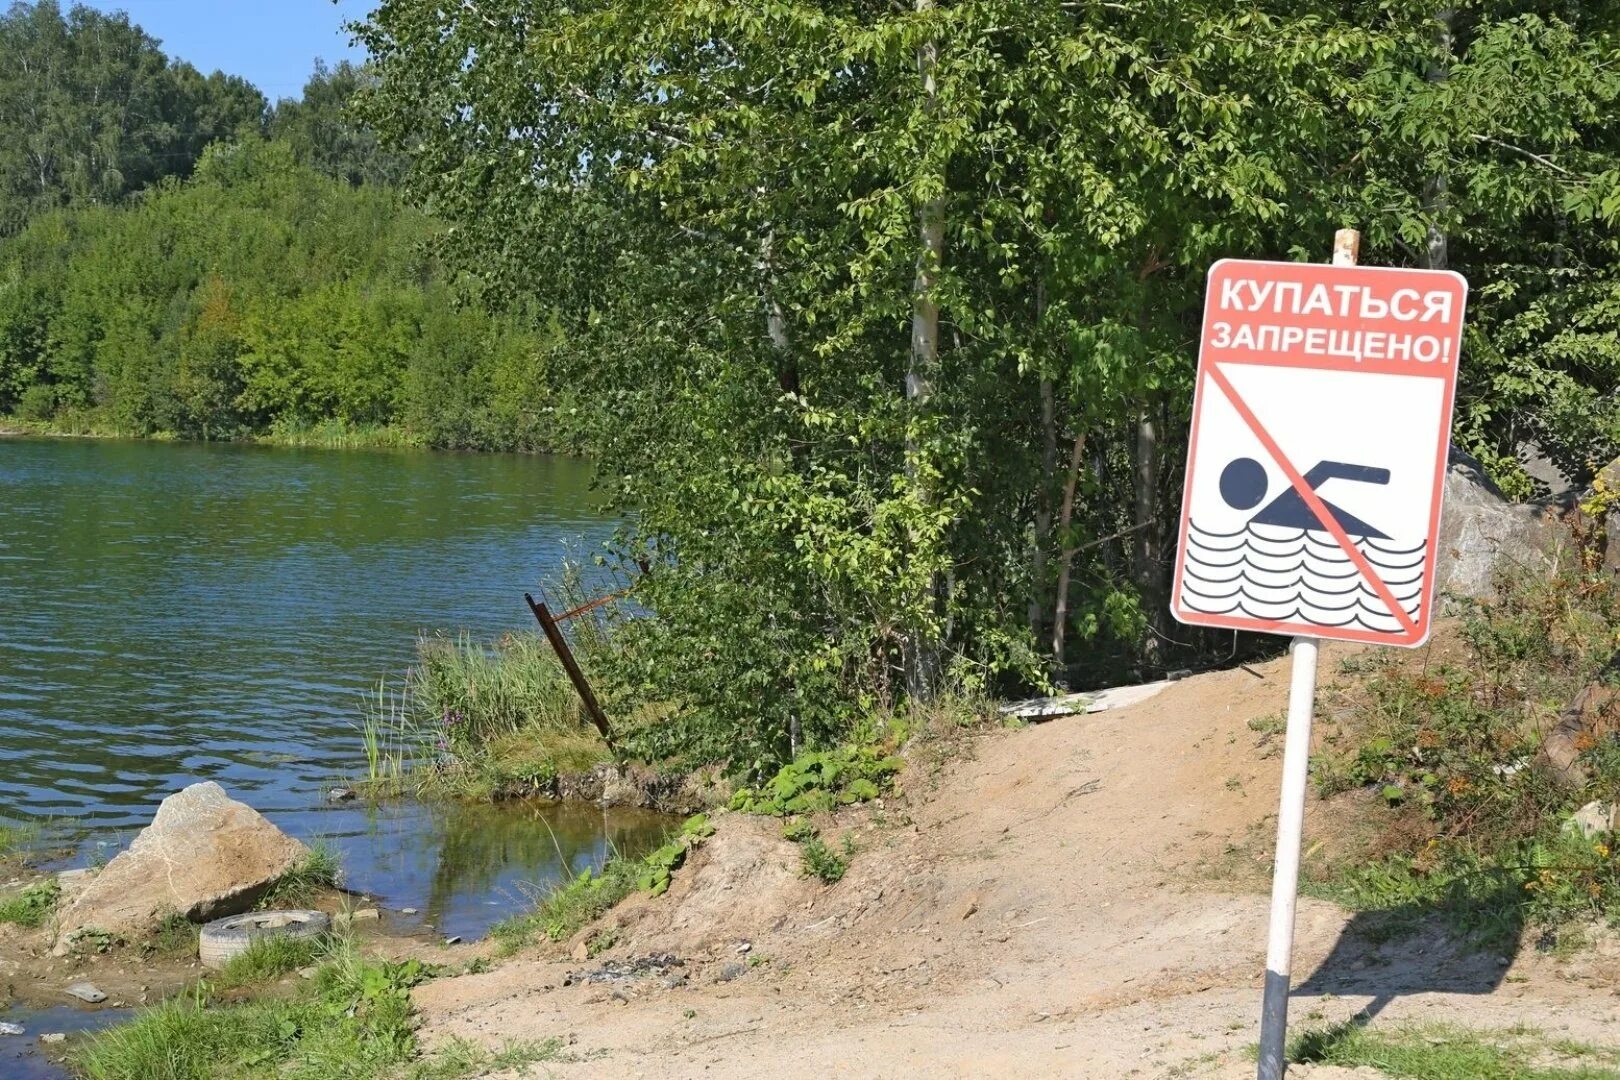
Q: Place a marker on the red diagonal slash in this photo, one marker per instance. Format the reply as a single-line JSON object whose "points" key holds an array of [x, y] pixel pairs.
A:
{"points": [[1312, 499]]}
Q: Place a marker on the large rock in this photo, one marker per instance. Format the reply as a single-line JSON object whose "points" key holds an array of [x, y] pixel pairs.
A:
{"points": [[204, 856], [1478, 527]]}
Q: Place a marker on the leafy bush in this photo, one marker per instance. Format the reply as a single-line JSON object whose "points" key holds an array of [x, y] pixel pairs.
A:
{"points": [[823, 863], [821, 780]]}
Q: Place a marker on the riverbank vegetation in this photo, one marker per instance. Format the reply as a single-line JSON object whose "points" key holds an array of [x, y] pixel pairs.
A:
{"points": [[1475, 818], [351, 1020], [882, 321], [477, 720]]}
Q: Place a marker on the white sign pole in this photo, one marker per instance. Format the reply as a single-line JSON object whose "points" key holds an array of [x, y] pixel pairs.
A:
{"points": [[1291, 813]]}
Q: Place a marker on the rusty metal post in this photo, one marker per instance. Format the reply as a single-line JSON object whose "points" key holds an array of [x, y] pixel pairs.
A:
{"points": [[559, 643]]}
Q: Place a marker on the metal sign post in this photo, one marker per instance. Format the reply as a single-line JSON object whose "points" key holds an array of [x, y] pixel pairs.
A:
{"points": [[1315, 470]]}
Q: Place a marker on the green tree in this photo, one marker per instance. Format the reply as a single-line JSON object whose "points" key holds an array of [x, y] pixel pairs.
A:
{"points": [[325, 134], [91, 109], [839, 284]]}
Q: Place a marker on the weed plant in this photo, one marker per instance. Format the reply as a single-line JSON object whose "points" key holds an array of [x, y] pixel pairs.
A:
{"points": [[31, 906], [1477, 821], [352, 1020]]}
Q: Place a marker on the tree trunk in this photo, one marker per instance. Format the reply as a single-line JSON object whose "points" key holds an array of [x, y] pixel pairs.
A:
{"points": [[1435, 203], [1148, 562], [1048, 485], [921, 651], [1060, 614]]}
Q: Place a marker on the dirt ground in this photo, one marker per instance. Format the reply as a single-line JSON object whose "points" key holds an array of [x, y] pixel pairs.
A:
{"points": [[1081, 898]]}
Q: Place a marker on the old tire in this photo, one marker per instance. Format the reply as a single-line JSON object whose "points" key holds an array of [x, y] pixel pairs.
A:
{"points": [[224, 938]]}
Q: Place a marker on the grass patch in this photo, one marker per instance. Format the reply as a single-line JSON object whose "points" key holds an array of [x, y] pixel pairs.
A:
{"points": [[459, 1058], [15, 838], [480, 721], [176, 935], [269, 958], [1452, 1053], [316, 872], [570, 906], [31, 906], [352, 1020]]}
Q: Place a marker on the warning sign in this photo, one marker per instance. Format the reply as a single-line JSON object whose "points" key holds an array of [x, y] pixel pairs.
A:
{"points": [[1318, 450]]}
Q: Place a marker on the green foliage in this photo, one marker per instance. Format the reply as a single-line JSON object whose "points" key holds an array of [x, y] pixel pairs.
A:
{"points": [[92, 109], [822, 862], [1478, 815], [324, 134], [483, 720], [30, 906], [821, 780], [353, 1020], [1440, 1052], [258, 299], [724, 203]]}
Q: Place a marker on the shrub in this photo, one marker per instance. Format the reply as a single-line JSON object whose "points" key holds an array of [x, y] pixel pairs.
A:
{"points": [[1479, 818], [819, 781]]}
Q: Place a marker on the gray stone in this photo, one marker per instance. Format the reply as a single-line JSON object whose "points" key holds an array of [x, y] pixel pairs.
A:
{"points": [[204, 856], [732, 971], [1477, 526], [341, 794], [1594, 819], [7, 1028], [86, 992], [53, 1038]]}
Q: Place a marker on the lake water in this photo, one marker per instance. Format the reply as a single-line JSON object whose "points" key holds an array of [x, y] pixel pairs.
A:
{"points": [[178, 612]]}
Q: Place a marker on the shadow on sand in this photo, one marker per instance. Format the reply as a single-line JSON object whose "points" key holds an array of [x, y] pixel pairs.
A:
{"points": [[1413, 949]]}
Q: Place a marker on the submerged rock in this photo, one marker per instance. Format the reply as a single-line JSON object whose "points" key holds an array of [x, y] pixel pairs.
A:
{"points": [[204, 856]]}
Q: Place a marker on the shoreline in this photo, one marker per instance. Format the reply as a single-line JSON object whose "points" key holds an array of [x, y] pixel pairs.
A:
{"points": [[317, 438]]}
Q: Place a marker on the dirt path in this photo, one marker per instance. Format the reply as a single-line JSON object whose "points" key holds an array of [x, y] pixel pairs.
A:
{"points": [[1045, 907]]}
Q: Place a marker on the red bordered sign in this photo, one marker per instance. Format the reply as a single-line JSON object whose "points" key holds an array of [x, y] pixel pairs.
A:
{"points": [[1317, 457]]}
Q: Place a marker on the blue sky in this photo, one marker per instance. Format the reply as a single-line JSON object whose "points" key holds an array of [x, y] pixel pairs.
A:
{"points": [[271, 43]]}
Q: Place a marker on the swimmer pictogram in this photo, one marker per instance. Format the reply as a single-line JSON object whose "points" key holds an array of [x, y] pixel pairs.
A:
{"points": [[1243, 485]]}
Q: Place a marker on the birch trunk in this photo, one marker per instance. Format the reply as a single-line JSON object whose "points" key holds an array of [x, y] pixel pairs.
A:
{"points": [[1149, 570], [921, 659], [1060, 613], [1435, 203]]}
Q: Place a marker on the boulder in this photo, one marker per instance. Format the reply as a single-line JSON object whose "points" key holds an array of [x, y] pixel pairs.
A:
{"points": [[204, 856], [1478, 525], [1592, 716]]}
